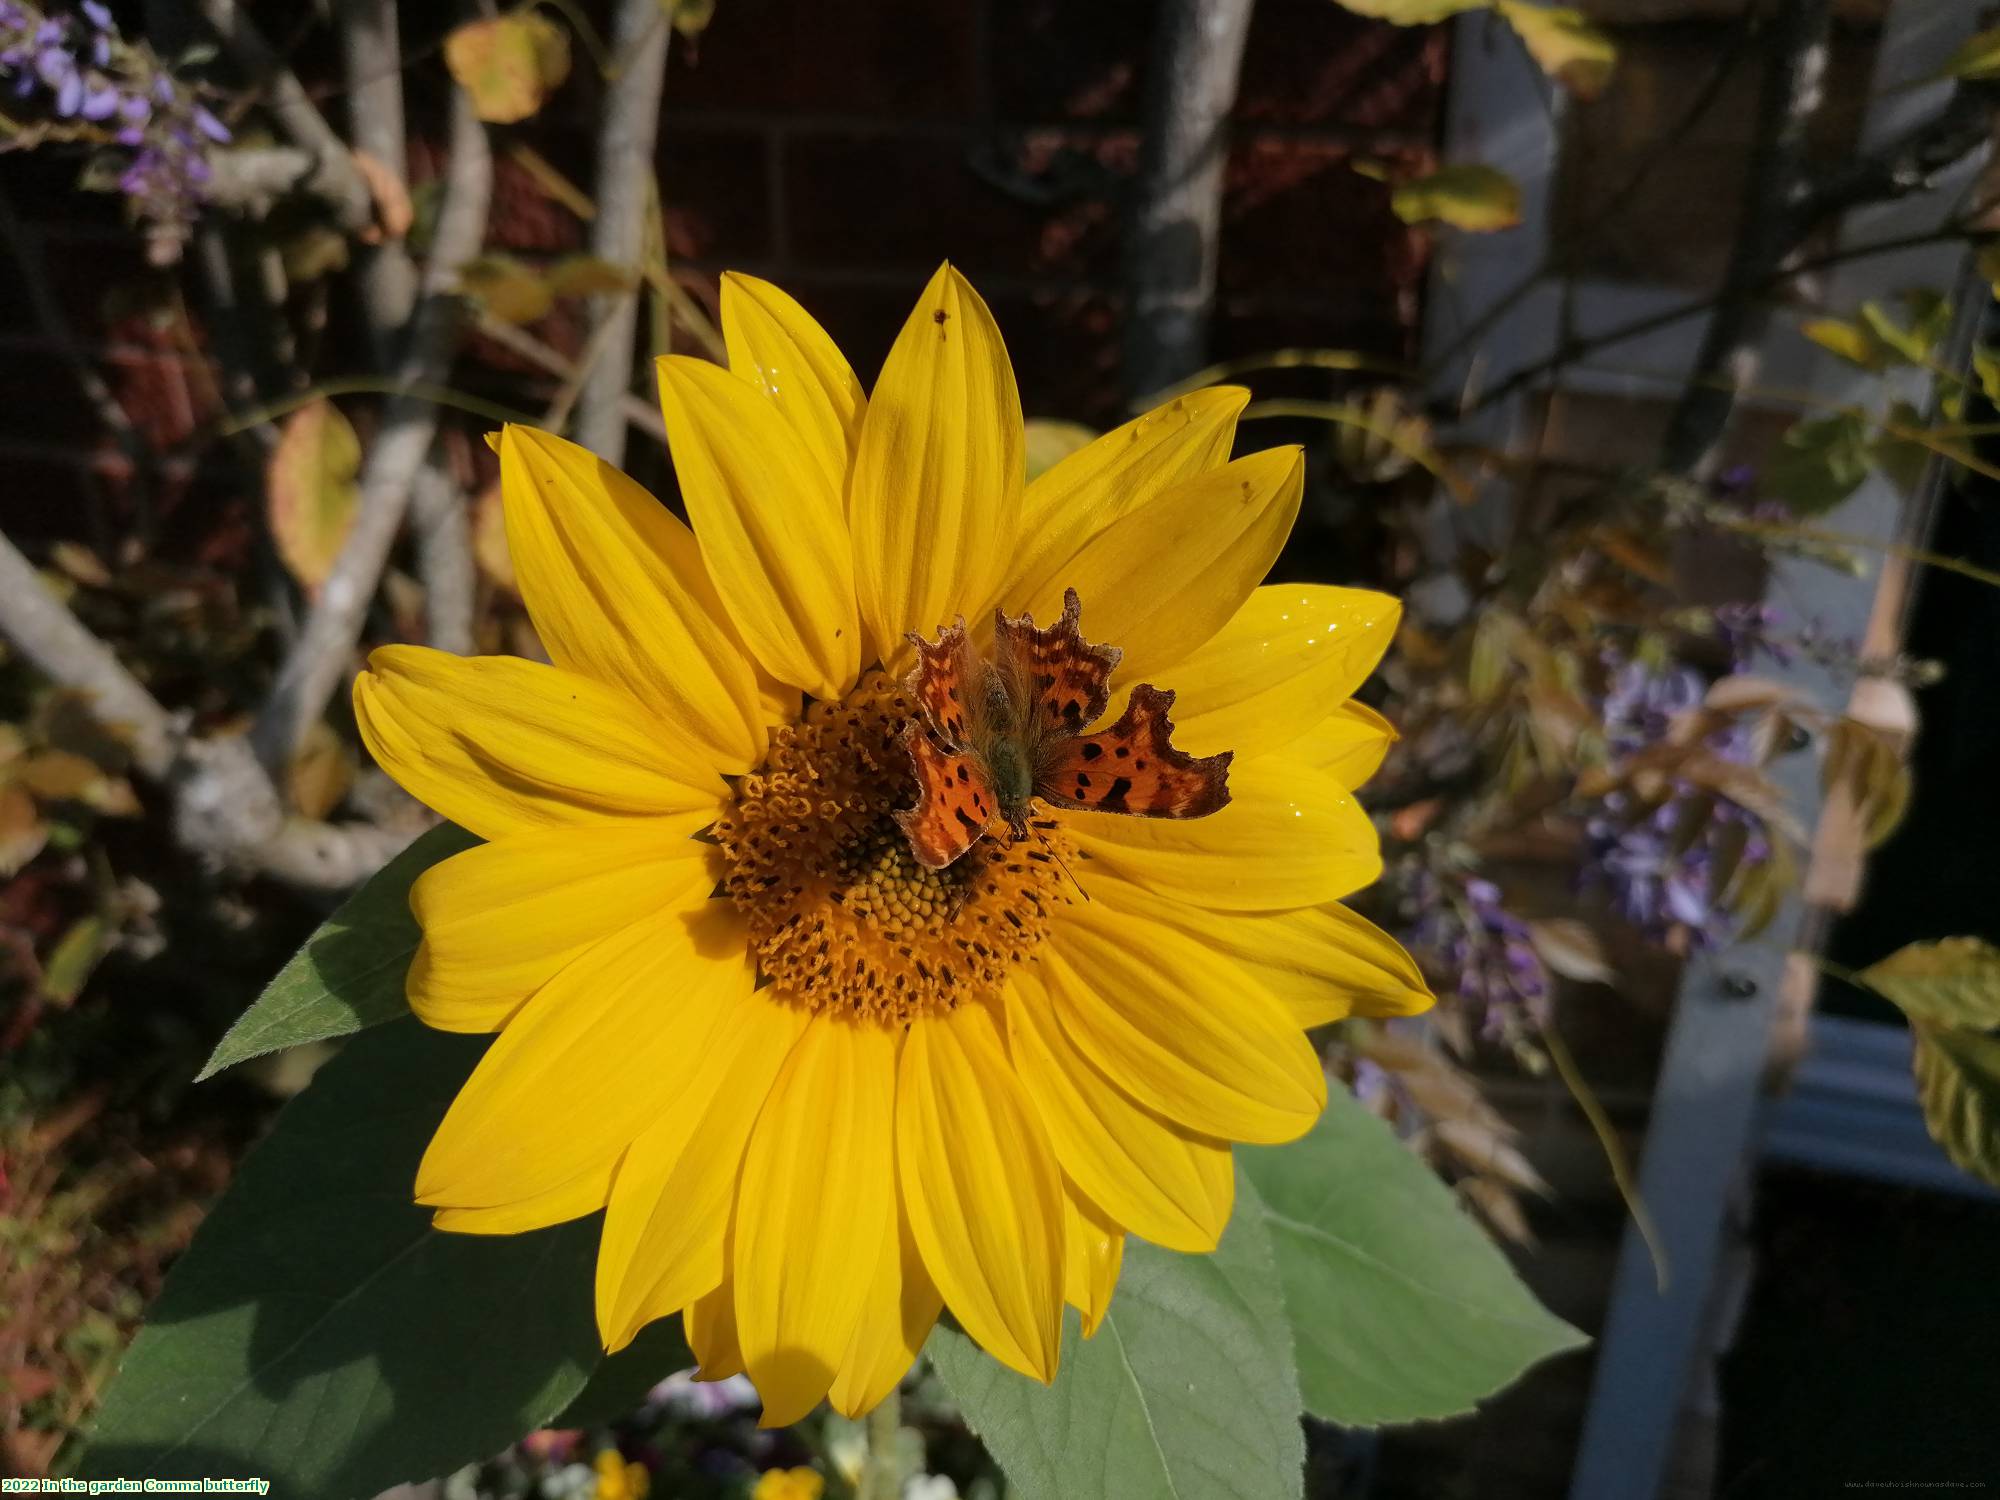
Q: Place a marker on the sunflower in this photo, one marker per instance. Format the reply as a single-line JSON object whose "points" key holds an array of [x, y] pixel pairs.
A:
{"points": [[820, 1089]]}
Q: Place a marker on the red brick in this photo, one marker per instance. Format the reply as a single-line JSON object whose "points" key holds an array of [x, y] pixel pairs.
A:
{"points": [[716, 188], [1040, 205], [1309, 62], [1052, 60], [893, 59], [1297, 216]]}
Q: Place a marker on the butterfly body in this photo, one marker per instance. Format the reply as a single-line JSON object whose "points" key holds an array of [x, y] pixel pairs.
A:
{"points": [[993, 735]]}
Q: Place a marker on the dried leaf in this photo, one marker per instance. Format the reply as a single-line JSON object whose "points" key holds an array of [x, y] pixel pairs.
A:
{"points": [[1571, 949], [1499, 1208], [1735, 694], [320, 773], [1848, 341], [74, 957], [57, 775], [1953, 983], [508, 64], [1465, 195], [82, 564], [22, 831], [310, 490], [393, 211], [1577, 54], [1490, 1153]]}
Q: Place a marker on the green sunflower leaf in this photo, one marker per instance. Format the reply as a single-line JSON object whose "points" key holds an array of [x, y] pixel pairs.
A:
{"points": [[1187, 1389], [349, 975], [622, 1381], [321, 1334], [1376, 1255]]}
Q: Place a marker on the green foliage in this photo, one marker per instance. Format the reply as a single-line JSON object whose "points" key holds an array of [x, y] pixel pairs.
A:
{"points": [[1821, 461], [320, 1333], [1950, 990], [1187, 1389], [1401, 1308], [622, 1380], [1413, 12], [1577, 54], [350, 973]]}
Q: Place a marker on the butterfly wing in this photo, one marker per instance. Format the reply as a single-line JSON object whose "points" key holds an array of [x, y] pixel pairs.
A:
{"points": [[946, 682], [1057, 681], [1133, 767], [954, 801]]}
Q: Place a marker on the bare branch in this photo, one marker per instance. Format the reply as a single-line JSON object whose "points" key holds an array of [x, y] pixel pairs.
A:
{"points": [[626, 141], [321, 657], [372, 60], [335, 177], [226, 810], [55, 641], [1909, 164], [641, 413], [1176, 222], [1795, 55], [444, 559]]}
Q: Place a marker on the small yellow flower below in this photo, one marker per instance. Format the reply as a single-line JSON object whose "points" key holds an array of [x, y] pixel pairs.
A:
{"points": [[618, 1480], [788, 1484]]}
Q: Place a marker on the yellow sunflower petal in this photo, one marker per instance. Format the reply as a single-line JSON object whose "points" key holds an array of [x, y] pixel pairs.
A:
{"points": [[591, 1061], [903, 1304], [1153, 1178], [710, 1325], [1165, 577], [936, 489], [982, 1189], [500, 745], [502, 919], [663, 1237], [572, 1200], [1065, 507], [1348, 744], [770, 525], [1283, 661], [774, 343], [817, 1191], [1324, 962], [615, 585], [1093, 1250], [1181, 1028], [1290, 836]]}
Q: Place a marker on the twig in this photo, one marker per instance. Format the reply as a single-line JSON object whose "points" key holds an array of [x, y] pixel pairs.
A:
{"points": [[1768, 233], [372, 60], [1176, 220], [320, 658], [515, 340], [335, 177], [1577, 348], [225, 806], [444, 559], [626, 141]]}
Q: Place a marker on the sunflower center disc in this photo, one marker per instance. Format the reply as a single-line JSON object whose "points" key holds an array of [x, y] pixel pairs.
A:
{"points": [[841, 914]]}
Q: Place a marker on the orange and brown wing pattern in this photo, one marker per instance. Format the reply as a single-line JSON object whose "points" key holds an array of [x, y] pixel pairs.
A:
{"points": [[954, 801], [1059, 681], [1133, 767], [944, 682]]}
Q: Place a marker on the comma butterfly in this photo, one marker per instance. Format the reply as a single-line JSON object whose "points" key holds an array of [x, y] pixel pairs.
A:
{"points": [[992, 736]]}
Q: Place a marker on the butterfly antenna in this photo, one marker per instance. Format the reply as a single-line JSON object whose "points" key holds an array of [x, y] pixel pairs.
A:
{"points": [[1072, 875]]}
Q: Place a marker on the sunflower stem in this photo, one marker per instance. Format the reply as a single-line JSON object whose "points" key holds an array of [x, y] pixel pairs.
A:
{"points": [[880, 1477]]}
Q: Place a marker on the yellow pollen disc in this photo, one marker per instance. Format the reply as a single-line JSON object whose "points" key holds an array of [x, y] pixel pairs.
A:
{"points": [[841, 915]]}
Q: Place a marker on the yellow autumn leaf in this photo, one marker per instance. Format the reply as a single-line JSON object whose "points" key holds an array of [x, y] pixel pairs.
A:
{"points": [[489, 540], [510, 290], [1577, 54], [508, 64], [1413, 12], [1849, 341], [1466, 195], [310, 490], [1978, 58], [1048, 442]]}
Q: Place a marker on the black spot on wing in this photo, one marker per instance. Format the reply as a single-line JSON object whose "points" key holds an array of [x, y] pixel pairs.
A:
{"points": [[1114, 799]]}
